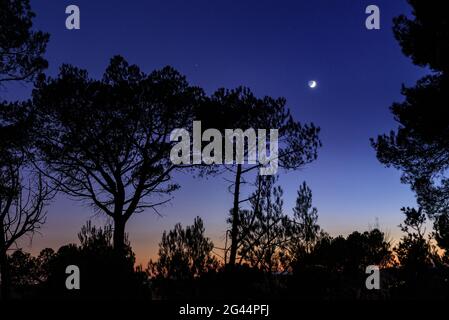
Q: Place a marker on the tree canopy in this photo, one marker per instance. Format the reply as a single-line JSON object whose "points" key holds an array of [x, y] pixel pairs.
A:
{"points": [[107, 142], [419, 146], [21, 48]]}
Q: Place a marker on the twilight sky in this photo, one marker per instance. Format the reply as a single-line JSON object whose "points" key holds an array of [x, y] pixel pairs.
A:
{"points": [[274, 48]]}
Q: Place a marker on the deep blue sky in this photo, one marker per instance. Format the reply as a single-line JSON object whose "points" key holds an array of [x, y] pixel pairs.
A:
{"points": [[273, 47]]}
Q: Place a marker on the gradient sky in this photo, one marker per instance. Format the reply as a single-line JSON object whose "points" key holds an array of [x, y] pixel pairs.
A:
{"points": [[274, 48]]}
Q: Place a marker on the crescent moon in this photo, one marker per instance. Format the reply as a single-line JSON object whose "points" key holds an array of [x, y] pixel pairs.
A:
{"points": [[312, 84]]}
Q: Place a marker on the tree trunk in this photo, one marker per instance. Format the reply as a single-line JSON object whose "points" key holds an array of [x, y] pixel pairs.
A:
{"points": [[235, 217], [119, 235], [5, 283], [4, 270]]}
